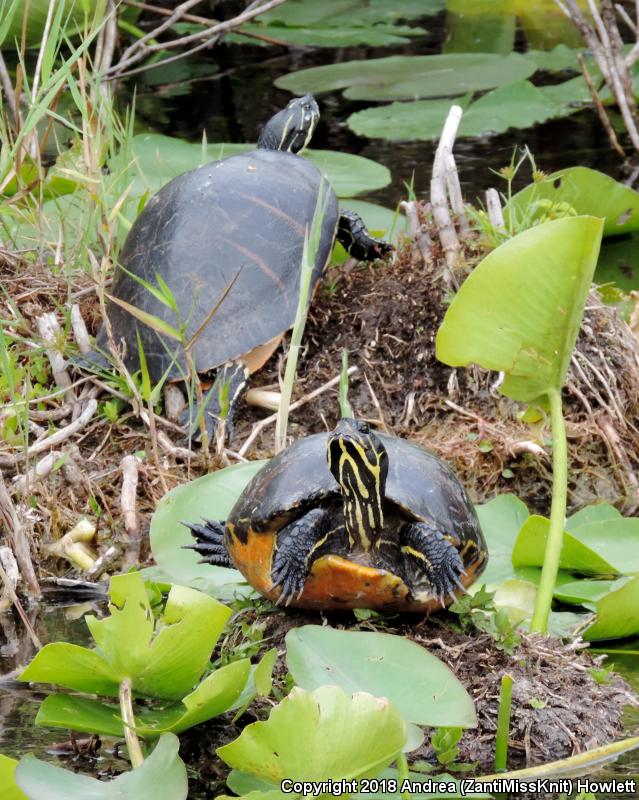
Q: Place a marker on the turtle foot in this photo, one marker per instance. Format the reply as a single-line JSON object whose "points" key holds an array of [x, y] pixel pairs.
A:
{"points": [[354, 237], [428, 551], [210, 542]]}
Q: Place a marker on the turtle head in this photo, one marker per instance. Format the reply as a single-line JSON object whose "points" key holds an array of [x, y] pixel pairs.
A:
{"points": [[359, 463], [292, 127]]}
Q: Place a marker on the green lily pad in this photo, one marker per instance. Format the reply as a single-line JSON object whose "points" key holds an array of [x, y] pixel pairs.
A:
{"points": [[404, 77], [162, 776], [617, 613], [161, 158], [501, 520], [215, 695], [588, 192], [8, 787], [211, 497], [422, 688], [163, 660], [524, 303], [603, 547], [587, 592], [320, 735]]}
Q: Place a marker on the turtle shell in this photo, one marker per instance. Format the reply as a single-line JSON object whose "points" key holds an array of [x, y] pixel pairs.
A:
{"points": [[419, 487], [241, 219]]}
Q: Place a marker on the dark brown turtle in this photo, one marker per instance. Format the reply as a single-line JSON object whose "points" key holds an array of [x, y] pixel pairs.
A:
{"points": [[383, 524], [240, 221]]}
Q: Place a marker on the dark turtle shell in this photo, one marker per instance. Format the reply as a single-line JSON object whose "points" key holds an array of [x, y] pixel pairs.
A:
{"points": [[419, 487], [241, 218]]}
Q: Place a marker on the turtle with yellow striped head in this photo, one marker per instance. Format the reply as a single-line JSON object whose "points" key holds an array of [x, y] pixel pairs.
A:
{"points": [[351, 519]]}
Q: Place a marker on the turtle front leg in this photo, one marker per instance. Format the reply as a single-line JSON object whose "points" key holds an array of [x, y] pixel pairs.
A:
{"points": [[210, 542], [298, 545], [427, 551], [220, 403], [354, 237]]}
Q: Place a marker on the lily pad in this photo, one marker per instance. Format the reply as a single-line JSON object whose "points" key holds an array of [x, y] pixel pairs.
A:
{"points": [[215, 695], [162, 776], [161, 158], [588, 192], [162, 660], [210, 497], [320, 735], [617, 613], [411, 77], [8, 787], [501, 520], [421, 687]]}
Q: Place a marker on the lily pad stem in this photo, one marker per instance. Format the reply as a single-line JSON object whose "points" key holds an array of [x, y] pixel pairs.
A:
{"points": [[403, 774], [126, 710], [557, 514]]}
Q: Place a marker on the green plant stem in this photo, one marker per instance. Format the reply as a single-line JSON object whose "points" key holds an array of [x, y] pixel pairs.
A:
{"points": [[126, 710], [557, 514], [402, 773], [344, 406], [503, 723]]}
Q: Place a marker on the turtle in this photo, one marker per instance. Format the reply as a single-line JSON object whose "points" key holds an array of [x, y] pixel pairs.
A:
{"points": [[352, 518], [227, 239]]}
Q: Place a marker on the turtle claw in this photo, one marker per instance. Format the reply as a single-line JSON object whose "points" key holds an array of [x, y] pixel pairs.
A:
{"points": [[210, 542], [290, 579]]}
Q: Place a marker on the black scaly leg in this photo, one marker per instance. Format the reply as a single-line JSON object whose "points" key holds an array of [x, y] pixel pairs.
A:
{"points": [[209, 543], [298, 544], [220, 402], [357, 241], [425, 548]]}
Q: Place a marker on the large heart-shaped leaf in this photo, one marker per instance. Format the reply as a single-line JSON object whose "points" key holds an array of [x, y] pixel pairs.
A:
{"points": [[210, 497], [160, 158], [588, 192], [419, 685], [320, 735], [162, 776], [163, 660], [8, 787], [520, 309], [617, 612], [216, 694], [404, 77], [501, 520]]}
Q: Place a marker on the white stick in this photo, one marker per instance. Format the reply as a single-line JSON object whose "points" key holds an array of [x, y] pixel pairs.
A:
{"points": [[80, 330], [495, 213], [128, 498], [49, 330], [438, 190], [38, 472]]}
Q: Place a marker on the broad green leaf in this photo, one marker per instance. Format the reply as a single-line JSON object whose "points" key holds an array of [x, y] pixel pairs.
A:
{"points": [[604, 547], [162, 776], [165, 665], [348, 36], [73, 16], [8, 787], [420, 686], [501, 520], [517, 105], [210, 497], [619, 263], [160, 158], [587, 592], [411, 77], [216, 694], [617, 613], [320, 735], [588, 192], [598, 512], [523, 306]]}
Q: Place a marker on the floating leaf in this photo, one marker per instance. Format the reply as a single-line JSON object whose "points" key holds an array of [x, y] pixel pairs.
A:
{"points": [[320, 735], [8, 787], [210, 497], [421, 687], [524, 304], [501, 520], [165, 664], [162, 776], [603, 547], [617, 613], [160, 158], [215, 695], [411, 77], [588, 192]]}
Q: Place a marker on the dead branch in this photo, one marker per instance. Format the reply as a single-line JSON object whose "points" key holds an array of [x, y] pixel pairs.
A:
{"points": [[421, 240], [17, 538], [599, 106], [438, 191], [37, 473], [494, 209], [49, 329], [130, 466]]}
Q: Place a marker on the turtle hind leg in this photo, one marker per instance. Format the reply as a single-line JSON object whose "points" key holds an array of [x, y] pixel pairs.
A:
{"points": [[353, 235], [220, 403], [427, 551], [298, 544], [210, 543]]}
